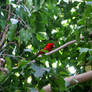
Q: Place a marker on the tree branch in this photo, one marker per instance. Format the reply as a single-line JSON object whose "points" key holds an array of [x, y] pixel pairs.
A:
{"points": [[61, 47], [4, 35], [53, 51], [6, 27], [80, 78]]}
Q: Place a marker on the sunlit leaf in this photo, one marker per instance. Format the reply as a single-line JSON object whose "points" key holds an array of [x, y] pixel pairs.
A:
{"points": [[14, 21], [84, 50], [39, 70], [25, 35]]}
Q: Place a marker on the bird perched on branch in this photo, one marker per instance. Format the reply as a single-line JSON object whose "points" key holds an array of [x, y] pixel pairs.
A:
{"points": [[48, 47]]}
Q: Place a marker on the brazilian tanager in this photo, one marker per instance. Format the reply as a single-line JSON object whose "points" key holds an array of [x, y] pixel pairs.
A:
{"points": [[48, 47]]}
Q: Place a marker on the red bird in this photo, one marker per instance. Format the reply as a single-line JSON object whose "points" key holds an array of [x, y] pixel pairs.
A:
{"points": [[48, 47]]}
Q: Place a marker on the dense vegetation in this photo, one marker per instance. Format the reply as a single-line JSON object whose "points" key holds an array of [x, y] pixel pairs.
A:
{"points": [[26, 26]]}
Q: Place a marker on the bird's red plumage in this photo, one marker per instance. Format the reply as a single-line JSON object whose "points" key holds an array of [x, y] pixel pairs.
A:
{"points": [[48, 47]]}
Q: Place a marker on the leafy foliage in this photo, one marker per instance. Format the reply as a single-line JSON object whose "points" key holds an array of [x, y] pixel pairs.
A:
{"points": [[33, 24]]}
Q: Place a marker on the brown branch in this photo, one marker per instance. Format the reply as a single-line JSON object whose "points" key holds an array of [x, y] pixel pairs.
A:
{"points": [[18, 1], [80, 78], [22, 22], [4, 35], [2, 69], [6, 27], [53, 51], [61, 47]]}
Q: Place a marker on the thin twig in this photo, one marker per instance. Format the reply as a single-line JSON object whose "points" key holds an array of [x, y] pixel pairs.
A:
{"points": [[61, 47], [13, 56], [18, 1], [4, 35], [20, 20], [53, 51]]}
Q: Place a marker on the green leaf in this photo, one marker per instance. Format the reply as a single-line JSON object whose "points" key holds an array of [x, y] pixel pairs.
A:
{"points": [[42, 36], [42, 2], [12, 32], [42, 90], [59, 84], [90, 58], [22, 63], [84, 50], [2, 76], [2, 23], [35, 42], [7, 1], [25, 35], [29, 3], [37, 4], [39, 70], [8, 63], [46, 51]]}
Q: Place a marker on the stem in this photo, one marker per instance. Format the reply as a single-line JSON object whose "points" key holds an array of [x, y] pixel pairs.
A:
{"points": [[6, 27], [61, 47], [53, 51]]}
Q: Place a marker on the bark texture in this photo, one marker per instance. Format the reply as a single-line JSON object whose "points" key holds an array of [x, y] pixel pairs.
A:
{"points": [[80, 78]]}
